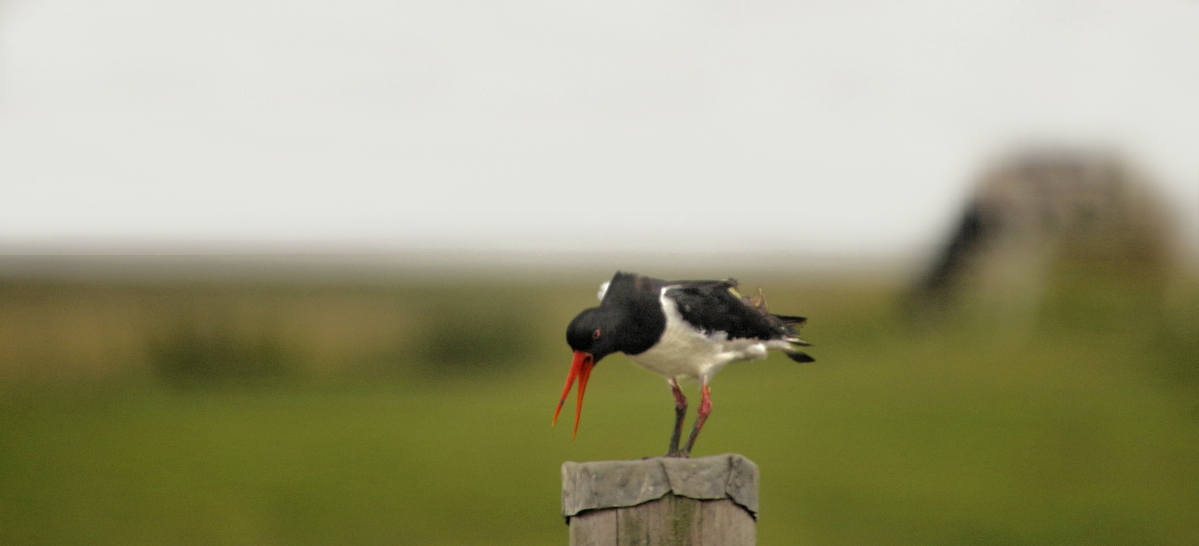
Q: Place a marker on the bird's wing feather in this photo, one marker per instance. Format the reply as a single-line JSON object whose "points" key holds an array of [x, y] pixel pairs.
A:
{"points": [[714, 306]]}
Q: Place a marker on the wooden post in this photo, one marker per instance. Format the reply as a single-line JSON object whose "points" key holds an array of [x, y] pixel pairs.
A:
{"points": [[660, 501]]}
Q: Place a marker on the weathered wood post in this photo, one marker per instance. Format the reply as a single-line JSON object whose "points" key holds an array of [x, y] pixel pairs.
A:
{"points": [[709, 501]]}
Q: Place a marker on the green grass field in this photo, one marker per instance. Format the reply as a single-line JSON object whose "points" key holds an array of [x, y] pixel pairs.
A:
{"points": [[131, 420]]}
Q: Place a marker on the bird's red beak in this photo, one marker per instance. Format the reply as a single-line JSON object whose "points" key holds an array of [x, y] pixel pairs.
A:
{"points": [[579, 368]]}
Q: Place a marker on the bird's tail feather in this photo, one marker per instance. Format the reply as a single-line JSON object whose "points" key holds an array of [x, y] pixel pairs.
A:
{"points": [[790, 320], [800, 356]]}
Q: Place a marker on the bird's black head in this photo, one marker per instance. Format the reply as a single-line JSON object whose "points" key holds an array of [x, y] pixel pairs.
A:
{"points": [[592, 333]]}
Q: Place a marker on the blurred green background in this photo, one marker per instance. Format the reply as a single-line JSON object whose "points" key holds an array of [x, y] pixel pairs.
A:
{"points": [[163, 409]]}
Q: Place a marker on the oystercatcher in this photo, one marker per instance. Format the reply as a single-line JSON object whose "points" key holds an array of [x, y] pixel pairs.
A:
{"points": [[678, 329]]}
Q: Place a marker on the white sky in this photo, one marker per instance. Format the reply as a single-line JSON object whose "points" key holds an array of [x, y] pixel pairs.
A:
{"points": [[564, 125]]}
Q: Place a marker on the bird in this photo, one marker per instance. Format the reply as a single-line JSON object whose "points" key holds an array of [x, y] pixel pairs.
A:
{"points": [[680, 330]]}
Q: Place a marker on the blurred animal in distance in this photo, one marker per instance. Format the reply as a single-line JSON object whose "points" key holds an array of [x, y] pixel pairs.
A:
{"points": [[1038, 212]]}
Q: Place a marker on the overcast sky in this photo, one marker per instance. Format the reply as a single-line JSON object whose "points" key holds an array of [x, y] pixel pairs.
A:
{"points": [[562, 125]]}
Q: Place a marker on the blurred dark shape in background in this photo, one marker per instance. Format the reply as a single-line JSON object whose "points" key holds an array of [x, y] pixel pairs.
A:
{"points": [[188, 356], [1039, 218], [485, 337]]}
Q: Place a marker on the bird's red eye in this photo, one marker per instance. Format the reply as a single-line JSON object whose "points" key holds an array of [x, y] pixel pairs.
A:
{"points": [[595, 334]]}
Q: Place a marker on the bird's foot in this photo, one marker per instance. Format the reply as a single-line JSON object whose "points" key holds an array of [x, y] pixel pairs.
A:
{"points": [[678, 453]]}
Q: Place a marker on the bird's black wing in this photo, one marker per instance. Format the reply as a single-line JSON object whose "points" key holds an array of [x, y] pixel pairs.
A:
{"points": [[714, 306]]}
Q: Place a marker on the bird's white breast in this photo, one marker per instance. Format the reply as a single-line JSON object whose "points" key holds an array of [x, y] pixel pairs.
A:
{"points": [[685, 351]]}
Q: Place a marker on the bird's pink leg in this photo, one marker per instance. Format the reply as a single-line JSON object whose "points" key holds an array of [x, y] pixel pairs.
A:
{"points": [[680, 411], [705, 407]]}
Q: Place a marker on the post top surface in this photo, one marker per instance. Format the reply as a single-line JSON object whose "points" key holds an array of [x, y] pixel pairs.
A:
{"points": [[611, 484]]}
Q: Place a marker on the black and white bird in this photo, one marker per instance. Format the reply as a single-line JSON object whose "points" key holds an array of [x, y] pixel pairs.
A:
{"points": [[679, 329]]}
